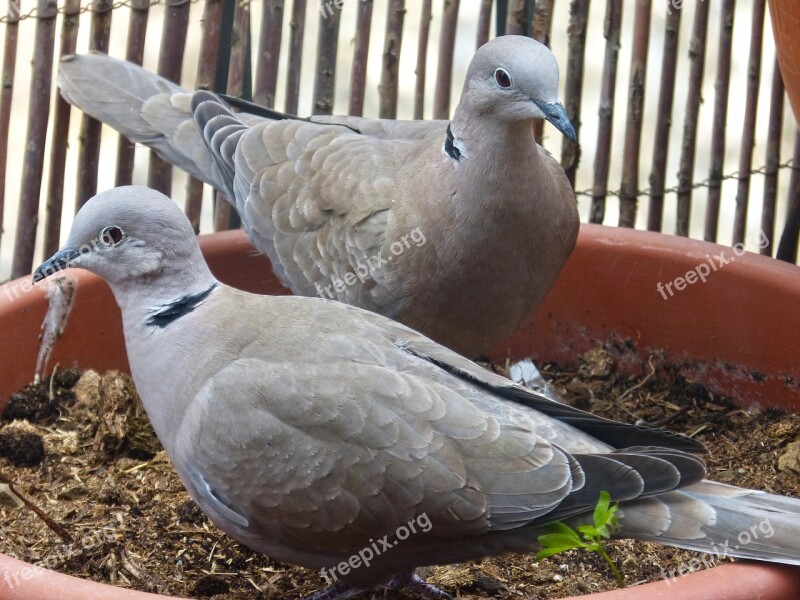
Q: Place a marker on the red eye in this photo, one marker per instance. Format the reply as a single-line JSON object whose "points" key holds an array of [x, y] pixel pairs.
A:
{"points": [[502, 78], [111, 236]]}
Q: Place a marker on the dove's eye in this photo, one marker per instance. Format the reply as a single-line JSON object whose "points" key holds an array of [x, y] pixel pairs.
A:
{"points": [[111, 236], [502, 78]]}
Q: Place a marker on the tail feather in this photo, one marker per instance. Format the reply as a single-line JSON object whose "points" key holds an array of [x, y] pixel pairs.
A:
{"points": [[142, 106], [637, 472], [720, 519]]}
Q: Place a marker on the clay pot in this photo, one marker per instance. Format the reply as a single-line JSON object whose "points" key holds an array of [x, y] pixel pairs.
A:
{"points": [[736, 332], [785, 18]]}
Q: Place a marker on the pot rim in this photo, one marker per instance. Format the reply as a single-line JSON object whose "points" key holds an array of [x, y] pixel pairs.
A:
{"points": [[730, 581]]}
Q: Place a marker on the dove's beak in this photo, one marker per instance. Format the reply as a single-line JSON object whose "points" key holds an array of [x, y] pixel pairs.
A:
{"points": [[557, 115], [63, 259]]}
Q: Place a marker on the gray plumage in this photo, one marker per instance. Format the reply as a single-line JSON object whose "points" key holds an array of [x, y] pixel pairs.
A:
{"points": [[307, 428], [456, 229]]}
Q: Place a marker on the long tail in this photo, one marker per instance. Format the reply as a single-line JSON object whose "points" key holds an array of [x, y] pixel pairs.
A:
{"points": [[142, 106], [720, 519]]}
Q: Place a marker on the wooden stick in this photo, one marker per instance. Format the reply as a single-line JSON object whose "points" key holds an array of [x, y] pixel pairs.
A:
{"points": [[206, 74], [60, 136], [422, 57], [515, 17], [749, 126], [720, 119], [269, 51], [327, 45], [542, 26], [237, 85], [787, 248], [393, 41], [697, 57], [38, 118], [58, 528], [6, 94], [89, 150], [484, 23], [602, 158], [170, 63], [773, 160], [666, 99], [444, 70], [629, 190], [543, 21], [137, 30], [296, 35], [579, 16], [358, 71]]}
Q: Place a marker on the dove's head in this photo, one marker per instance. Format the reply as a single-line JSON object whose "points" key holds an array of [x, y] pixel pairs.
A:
{"points": [[128, 234], [515, 78]]}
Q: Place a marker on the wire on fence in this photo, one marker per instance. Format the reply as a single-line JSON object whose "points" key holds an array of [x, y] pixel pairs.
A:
{"points": [[91, 7], [706, 183]]}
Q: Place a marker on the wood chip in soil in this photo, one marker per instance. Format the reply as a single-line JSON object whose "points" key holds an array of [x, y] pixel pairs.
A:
{"points": [[80, 448]]}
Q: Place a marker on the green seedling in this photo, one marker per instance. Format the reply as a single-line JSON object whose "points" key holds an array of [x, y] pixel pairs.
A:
{"points": [[564, 537]]}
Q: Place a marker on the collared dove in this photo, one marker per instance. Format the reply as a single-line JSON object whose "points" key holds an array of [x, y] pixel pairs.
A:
{"points": [[317, 432], [456, 229]]}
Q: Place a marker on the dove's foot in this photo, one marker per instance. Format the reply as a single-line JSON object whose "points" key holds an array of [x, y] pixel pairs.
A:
{"points": [[412, 581], [337, 591], [409, 581]]}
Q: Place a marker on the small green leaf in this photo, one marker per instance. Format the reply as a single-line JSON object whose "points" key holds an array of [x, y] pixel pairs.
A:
{"points": [[563, 537], [548, 552], [559, 540], [601, 509], [588, 532], [612, 518], [559, 527]]}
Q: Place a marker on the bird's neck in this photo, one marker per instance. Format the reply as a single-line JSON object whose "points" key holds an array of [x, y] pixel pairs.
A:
{"points": [[499, 173], [144, 296], [160, 316], [494, 151]]}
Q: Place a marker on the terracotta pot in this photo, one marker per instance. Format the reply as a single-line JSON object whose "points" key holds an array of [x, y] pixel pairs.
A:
{"points": [[785, 18], [737, 333]]}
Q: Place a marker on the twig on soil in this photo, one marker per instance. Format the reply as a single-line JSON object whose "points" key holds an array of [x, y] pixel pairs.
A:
{"points": [[643, 381], [703, 427], [59, 529], [669, 418]]}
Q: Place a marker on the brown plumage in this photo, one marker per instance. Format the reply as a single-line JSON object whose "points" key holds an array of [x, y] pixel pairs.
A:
{"points": [[456, 229]]}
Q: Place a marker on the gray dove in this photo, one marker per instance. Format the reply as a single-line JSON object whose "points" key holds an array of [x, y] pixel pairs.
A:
{"points": [[334, 438], [457, 229]]}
